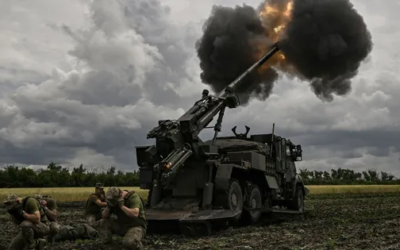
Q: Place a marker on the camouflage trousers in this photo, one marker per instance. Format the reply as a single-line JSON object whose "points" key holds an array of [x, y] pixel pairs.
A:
{"points": [[132, 236], [30, 237], [75, 232], [93, 219], [54, 230]]}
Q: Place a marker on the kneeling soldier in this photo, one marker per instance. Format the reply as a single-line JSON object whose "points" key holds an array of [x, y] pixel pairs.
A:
{"points": [[94, 204], [30, 216], [49, 205], [131, 221]]}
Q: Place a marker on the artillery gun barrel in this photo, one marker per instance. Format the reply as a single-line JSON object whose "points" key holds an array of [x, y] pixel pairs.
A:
{"points": [[193, 121], [231, 88], [233, 85]]}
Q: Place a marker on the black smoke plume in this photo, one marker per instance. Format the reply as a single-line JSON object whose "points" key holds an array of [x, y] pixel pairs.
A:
{"points": [[325, 41], [226, 51]]}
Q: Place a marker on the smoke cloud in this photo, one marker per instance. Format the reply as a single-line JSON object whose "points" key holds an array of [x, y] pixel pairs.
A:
{"points": [[226, 50], [323, 42], [326, 41]]}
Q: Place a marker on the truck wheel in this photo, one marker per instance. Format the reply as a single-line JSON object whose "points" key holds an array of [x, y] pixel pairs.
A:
{"points": [[298, 201], [235, 197], [254, 200]]}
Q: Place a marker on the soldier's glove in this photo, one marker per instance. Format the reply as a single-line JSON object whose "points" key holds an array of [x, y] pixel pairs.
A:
{"points": [[111, 204], [120, 202]]}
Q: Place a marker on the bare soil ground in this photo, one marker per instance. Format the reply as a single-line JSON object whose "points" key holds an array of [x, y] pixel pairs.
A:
{"points": [[344, 221]]}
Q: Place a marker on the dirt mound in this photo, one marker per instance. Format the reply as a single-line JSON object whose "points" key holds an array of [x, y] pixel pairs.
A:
{"points": [[368, 221]]}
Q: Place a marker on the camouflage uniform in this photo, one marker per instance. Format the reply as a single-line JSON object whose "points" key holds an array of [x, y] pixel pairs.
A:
{"points": [[76, 231], [133, 229], [92, 210], [32, 234], [53, 224]]}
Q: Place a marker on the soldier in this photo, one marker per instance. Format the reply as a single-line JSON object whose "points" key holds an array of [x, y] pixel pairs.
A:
{"points": [[131, 221], [94, 203], [30, 216], [76, 231], [49, 205]]}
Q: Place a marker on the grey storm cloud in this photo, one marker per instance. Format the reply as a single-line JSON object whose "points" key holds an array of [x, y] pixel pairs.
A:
{"points": [[113, 96], [85, 82]]}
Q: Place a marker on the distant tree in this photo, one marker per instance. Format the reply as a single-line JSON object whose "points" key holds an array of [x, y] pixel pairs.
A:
{"points": [[366, 176], [327, 176], [374, 176]]}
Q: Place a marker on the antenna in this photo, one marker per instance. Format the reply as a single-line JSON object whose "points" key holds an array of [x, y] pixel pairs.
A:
{"points": [[273, 135], [272, 139]]}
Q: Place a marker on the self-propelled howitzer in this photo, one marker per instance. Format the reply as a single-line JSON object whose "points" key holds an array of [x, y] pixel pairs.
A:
{"points": [[193, 181]]}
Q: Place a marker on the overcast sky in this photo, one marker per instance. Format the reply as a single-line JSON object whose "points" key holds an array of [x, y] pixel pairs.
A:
{"points": [[83, 82]]}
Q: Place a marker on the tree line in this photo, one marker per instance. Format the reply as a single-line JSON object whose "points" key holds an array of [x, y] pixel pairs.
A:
{"points": [[55, 175], [343, 176]]}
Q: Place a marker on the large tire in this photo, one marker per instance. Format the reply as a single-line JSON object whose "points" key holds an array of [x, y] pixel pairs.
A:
{"points": [[253, 200], [234, 199], [298, 201]]}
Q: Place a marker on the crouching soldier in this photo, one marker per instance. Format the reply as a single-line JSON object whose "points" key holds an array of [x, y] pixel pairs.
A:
{"points": [[131, 221], [49, 205], [94, 204], [30, 216]]}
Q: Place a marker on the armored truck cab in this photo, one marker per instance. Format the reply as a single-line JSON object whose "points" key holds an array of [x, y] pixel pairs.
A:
{"points": [[267, 175]]}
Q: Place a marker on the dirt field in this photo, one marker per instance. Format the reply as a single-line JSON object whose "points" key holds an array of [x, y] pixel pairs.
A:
{"points": [[334, 221]]}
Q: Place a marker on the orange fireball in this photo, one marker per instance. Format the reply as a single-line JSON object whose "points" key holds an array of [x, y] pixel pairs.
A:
{"points": [[274, 17]]}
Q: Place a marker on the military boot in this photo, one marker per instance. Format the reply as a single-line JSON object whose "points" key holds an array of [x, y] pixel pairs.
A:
{"points": [[40, 244]]}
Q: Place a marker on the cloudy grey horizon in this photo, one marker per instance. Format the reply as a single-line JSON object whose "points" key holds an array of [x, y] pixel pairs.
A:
{"points": [[83, 81]]}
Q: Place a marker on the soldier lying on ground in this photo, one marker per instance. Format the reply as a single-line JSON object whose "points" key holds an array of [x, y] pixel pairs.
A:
{"points": [[30, 216], [76, 231], [94, 203], [131, 221], [49, 205]]}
